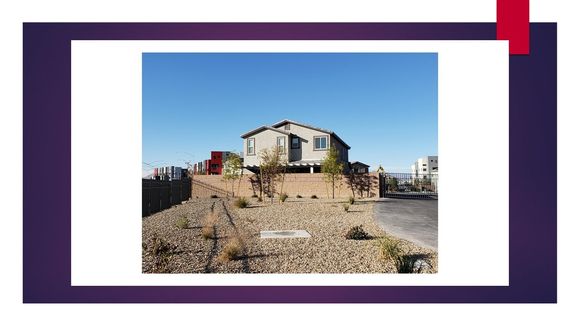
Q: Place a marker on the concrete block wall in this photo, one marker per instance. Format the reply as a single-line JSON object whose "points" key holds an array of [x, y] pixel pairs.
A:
{"points": [[304, 184]]}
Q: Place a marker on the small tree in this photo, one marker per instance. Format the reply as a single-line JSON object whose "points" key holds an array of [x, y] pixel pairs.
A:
{"points": [[272, 162], [232, 170], [332, 167], [393, 184]]}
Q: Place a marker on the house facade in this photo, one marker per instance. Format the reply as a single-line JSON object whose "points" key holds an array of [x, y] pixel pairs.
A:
{"points": [[304, 146], [358, 167]]}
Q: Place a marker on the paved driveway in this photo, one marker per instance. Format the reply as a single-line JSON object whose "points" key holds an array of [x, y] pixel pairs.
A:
{"points": [[411, 219]]}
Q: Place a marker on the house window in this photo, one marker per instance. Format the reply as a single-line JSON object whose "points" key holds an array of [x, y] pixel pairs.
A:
{"points": [[281, 142], [424, 170], [424, 164], [287, 127], [295, 142], [320, 143], [434, 168], [251, 146]]}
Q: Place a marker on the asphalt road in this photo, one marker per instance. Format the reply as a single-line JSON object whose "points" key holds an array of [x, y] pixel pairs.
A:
{"points": [[415, 220]]}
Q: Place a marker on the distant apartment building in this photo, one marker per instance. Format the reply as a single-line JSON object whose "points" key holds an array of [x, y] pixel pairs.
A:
{"points": [[213, 166], [168, 173], [425, 167], [217, 162]]}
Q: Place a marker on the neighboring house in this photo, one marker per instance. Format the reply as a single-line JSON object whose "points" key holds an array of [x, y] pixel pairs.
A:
{"points": [[302, 145], [359, 167], [425, 167]]}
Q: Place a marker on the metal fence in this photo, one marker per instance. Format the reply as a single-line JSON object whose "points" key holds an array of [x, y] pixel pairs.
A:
{"points": [[160, 194], [409, 185]]}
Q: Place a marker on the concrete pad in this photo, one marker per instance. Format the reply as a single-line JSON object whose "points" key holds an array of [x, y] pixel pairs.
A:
{"points": [[281, 234]]}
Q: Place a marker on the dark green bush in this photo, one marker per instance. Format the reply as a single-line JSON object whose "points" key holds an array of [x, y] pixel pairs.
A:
{"points": [[298, 196], [357, 233], [283, 197], [214, 196], [313, 197], [351, 200]]}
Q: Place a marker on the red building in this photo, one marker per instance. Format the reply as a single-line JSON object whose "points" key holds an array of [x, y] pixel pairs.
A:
{"points": [[217, 160], [206, 165], [213, 166]]}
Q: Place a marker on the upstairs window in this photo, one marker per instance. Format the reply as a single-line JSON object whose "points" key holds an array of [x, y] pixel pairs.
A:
{"points": [[251, 146], [320, 143], [281, 142], [287, 127], [295, 142]]}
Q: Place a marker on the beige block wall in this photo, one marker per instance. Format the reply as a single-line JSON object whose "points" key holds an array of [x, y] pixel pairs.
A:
{"points": [[304, 184]]}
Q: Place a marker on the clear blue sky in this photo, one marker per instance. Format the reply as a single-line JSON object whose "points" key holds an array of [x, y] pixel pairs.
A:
{"points": [[384, 105]]}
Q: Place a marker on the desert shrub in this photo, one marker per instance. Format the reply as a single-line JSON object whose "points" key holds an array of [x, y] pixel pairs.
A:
{"points": [[357, 233], [351, 200], [232, 249], [214, 196], [182, 222], [391, 250], [208, 228], [313, 197], [298, 196], [162, 252], [207, 232], [241, 202], [254, 196], [346, 207], [283, 197], [260, 199]]}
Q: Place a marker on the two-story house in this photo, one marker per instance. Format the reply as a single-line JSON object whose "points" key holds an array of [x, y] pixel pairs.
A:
{"points": [[302, 145]]}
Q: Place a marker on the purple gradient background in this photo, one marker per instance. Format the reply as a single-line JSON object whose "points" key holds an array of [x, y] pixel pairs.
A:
{"points": [[47, 162]]}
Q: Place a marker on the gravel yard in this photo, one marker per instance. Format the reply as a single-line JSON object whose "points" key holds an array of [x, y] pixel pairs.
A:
{"points": [[327, 251]]}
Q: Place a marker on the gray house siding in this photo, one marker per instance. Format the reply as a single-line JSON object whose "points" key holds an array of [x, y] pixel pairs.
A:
{"points": [[266, 137], [306, 151]]}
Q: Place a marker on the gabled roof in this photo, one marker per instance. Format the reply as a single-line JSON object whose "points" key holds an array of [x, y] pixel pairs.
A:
{"points": [[259, 129], [359, 163], [286, 121]]}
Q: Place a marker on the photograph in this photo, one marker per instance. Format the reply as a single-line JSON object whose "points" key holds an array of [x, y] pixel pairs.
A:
{"points": [[290, 163]]}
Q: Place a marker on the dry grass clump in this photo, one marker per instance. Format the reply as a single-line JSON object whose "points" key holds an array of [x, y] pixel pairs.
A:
{"points": [[345, 206], [208, 228], [241, 202], [283, 197], [182, 222], [232, 250], [404, 262]]}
